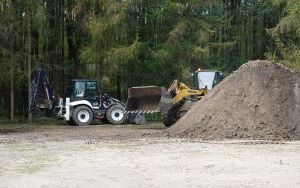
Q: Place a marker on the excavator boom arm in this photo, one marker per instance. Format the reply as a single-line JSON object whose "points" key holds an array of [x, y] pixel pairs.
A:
{"points": [[42, 95]]}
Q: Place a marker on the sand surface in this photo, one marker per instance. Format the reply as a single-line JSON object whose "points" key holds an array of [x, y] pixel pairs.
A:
{"points": [[128, 157]]}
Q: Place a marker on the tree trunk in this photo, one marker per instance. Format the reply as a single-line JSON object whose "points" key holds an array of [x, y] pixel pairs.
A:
{"points": [[29, 67], [62, 53], [12, 93], [118, 85]]}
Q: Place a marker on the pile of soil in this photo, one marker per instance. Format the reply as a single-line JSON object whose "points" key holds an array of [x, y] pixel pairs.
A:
{"points": [[261, 100]]}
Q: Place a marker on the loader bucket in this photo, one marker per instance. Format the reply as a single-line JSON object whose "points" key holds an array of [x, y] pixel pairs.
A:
{"points": [[145, 98]]}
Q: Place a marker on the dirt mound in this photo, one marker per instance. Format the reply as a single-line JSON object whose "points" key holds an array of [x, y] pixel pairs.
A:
{"points": [[261, 100]]}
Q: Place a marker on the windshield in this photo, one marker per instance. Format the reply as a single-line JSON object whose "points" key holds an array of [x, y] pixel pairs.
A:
{"points": [[91, 89], [85, 89], [206, 79]]}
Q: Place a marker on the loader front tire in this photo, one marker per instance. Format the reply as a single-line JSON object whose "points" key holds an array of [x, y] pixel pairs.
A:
{"points": [[170, 116], [185, 107], [115, 114], [177, 111]]}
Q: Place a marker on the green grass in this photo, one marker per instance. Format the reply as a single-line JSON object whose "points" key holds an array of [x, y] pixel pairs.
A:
{"points": [[31, 168], [35, 156], [7, 126], [36, 119], [20, 124], [2, 169], [36, 165], [156, 117], [4, 128]]}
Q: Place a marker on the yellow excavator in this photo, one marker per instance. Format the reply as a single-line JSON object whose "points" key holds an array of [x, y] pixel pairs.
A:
{"points": [[174, 102]]}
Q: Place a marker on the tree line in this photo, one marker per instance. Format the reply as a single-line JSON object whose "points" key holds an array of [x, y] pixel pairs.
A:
{"points": [[125, 43]]}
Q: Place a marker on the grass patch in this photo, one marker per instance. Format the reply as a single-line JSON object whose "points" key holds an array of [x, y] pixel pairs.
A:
{"points": [[7, 126], [31, 168], [156, 117], [30, 157], [36, 119], [80, 148], [118, 146], [2, 169], [11, 128]]}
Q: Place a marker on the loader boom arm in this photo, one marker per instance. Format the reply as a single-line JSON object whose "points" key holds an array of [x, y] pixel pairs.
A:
{"points": [[179, 91]]}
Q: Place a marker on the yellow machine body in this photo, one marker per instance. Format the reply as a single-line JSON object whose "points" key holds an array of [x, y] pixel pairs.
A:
{"points": [[150, 98], [180, 91]]}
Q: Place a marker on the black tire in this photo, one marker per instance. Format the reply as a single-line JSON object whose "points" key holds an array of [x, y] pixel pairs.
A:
{"points": [[115, 114], [170, 116], [82, 115], [176, 112], [185, 107]]}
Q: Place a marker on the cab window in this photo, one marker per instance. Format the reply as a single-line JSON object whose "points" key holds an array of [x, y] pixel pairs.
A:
{"points": [[91, 89]]}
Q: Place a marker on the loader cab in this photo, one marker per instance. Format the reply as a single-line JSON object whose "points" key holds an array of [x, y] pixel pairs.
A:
{"points": [[206, 78], [84, 90]]}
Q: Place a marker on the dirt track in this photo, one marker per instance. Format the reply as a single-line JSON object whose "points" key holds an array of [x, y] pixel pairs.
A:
{"points": [[131, 156]]}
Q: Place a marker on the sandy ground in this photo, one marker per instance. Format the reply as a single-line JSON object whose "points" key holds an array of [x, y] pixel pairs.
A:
{"points": [[131, 156]]}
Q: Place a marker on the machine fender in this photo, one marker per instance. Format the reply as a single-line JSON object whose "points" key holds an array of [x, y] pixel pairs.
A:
{"points": [[81, 102]]}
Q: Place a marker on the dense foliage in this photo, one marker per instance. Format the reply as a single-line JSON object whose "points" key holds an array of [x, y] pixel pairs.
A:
{"points": [[124, 43]]}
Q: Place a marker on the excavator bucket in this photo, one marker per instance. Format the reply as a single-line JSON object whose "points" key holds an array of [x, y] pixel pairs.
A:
{"points": [[144, 99]]}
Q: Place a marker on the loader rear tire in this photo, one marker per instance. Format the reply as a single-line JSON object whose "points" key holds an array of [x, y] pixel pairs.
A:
{"points": [[115, 114], [82, 115]]}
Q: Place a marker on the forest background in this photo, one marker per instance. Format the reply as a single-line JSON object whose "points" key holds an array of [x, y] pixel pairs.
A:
{"points": [[125, 43]]}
